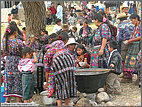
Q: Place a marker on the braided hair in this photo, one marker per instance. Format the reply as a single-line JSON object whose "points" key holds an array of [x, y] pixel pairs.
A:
{"points": [[9, 31]]}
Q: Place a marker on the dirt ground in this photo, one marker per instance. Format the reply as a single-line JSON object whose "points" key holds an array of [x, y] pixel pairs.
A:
{"points": [[131, 95]]}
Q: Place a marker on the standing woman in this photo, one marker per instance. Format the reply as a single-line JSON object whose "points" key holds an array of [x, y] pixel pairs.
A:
{"points": [[13, 79], [59, 65], [100, 52], [133, 48]]}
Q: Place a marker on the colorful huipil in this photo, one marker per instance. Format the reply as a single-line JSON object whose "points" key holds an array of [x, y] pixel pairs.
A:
{"points": [[124, 32], [59, 69], [103, 31], [133, 49], [13, 77]]}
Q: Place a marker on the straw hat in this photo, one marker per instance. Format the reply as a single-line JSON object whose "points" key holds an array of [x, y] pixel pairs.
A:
{"points": [[14, 7], [123, 6], [71, 41], [65, 27], [120, 15]]}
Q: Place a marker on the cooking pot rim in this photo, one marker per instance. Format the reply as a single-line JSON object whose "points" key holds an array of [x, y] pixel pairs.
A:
{"points": [[93, 74]]}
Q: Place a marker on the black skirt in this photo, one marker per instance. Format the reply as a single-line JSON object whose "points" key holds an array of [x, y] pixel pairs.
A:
{"points": [[65, 85]]}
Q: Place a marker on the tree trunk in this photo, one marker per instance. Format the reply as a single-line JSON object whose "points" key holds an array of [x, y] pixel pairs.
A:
{"points": [[35, 18]]}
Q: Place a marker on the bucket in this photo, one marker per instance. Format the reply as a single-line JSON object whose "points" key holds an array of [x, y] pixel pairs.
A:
{"points": [[46, 100], [2, 92]]}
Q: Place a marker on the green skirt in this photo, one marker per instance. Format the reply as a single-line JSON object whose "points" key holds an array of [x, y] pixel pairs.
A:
{"points": [[28, 86], [130, 61]]}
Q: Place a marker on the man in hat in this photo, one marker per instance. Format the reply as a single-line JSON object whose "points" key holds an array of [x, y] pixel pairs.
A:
{"points": [[124, 31], [125, 9]]}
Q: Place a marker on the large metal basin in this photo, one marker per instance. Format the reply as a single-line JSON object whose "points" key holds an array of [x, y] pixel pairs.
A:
{"points": [[90, 80]]}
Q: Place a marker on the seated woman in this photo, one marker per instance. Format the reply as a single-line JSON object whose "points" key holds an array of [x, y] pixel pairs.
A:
{"points": [[32, 43], [82, 56]]}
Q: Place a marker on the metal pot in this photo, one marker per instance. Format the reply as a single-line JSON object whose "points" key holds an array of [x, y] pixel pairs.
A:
{"points": [[46, 100], [90, 80]]}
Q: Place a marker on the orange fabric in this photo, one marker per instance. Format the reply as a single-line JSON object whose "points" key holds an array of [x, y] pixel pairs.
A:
{"points": [[9, 18]]}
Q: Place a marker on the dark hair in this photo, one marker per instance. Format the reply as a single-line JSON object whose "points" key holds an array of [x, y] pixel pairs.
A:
{"points": [[84, 13], [58, 20], [86, 21], [75, 28], [43, 30], [14, 23], [81, 47], [88, 10], [52, 3], [98, 16], [71, 14], [46, 32], [64, 36], [113, 44], [58, 4], [9, 31], [102, 13], [134, 16], [9, 14], [24, 28], [109, 17], [123, 18], [53, 37], [26, 50]]}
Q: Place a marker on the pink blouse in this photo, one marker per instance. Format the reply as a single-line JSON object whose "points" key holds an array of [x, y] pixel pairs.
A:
{"points": [[26, 65]]}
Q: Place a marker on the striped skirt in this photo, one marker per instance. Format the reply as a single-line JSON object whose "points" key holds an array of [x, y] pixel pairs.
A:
{"points": [[65, 85], [63, 67]]}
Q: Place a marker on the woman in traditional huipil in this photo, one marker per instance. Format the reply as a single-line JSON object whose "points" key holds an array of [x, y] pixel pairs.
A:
{"points": [[59, 64], [133, 49], [13, 79], [100, 51]]}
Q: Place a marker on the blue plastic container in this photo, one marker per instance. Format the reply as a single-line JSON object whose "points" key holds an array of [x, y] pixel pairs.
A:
{"points": [[2, 92]]}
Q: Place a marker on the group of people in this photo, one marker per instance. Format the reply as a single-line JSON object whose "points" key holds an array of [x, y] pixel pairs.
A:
{"points": [[64, 50], [52, 13]]}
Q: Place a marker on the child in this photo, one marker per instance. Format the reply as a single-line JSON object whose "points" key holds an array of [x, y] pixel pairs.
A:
{"points": [[27, 67], [32, 43], [82, 56], [43, 39], [71, 19], [9, 18], [75, 33], [24, 34], [114, 61]]}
